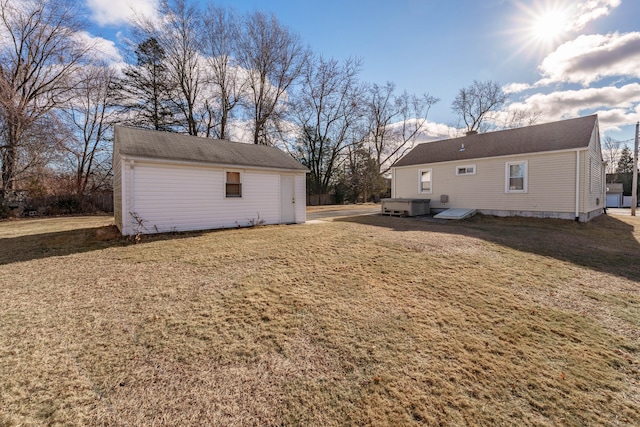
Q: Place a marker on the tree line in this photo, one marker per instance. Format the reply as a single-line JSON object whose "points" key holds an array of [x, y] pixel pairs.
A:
{"points": [[206, 71]]}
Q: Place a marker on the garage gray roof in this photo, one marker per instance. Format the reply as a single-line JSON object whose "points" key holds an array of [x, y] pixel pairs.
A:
{"points": [[173, 146], [562, 135]]}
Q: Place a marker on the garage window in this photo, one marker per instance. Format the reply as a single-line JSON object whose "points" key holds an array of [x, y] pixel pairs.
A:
{"points": [[233, 184]]}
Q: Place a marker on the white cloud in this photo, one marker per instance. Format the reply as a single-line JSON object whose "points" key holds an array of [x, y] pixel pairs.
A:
{"points": [[103, 50], [590, 58], [434, 131], [614, 119], [591, 10], [515, 87], [587, 60], [116, 12], [616, 106]]}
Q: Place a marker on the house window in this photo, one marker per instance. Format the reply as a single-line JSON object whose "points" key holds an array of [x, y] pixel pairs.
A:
{"points": [[466, 170], [233, 185], [425, 181], [516, 174]]}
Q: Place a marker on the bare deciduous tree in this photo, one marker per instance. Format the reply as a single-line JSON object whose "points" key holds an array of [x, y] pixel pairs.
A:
{"points": [[475, 103], [178, 34], [394, 122], [219, 40], [39, 148], [273, 58], [90, 116], [612, 150], [326, 108], [520, 117], [41, 51]]}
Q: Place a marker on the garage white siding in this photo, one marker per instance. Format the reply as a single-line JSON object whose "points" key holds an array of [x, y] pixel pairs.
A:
{"points": [[180, 198], [165, 182]]}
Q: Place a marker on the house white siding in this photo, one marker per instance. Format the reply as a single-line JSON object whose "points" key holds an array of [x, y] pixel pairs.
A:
{"points": [[593, 196], [168, 197], [486, 188]]}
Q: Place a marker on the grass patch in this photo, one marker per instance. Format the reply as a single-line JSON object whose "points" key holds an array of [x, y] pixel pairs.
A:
{"points": [[363, 321]]}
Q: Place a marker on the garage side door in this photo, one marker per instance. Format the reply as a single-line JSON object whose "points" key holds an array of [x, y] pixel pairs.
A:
{"points": [[287, 199]]}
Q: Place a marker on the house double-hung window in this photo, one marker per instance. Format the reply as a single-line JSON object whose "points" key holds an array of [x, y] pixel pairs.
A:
{"points": [[516, 177], [424, 183], [233, 185]]}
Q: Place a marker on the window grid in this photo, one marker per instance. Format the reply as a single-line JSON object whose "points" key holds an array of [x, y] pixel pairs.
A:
{"points": [[516, 177], [233, 185], [425, 181], [466, 170]]}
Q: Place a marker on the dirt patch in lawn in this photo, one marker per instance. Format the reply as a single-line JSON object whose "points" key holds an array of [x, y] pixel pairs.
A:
{"points": [[374, 321]]}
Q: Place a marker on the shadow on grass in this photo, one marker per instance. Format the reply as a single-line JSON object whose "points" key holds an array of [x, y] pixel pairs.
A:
{"points": [[604, 244], [79, 240]]}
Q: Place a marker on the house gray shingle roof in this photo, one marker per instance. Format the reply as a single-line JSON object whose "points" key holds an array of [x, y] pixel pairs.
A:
{"points": [[173, 146], [562, 135]]}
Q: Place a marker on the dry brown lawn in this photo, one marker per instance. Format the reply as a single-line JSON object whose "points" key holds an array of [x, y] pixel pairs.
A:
{"points": [[358, 321], [323, 208]]}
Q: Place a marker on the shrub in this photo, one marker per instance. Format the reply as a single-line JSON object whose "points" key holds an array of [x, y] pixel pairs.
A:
{"points": [[66, 205]]}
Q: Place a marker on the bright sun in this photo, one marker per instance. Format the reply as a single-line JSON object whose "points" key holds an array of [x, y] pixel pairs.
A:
{"points": [[541, 25], [549, 26]]}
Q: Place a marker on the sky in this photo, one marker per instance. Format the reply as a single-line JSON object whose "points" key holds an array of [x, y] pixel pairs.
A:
{"points": [[560, 58]]}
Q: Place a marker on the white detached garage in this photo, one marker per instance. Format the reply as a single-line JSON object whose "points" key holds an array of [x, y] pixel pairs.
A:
{"points": [[170, 182]]}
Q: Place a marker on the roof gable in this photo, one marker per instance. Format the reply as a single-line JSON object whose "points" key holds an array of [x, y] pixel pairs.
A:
{"points": [[173, 146], [562, 135]]}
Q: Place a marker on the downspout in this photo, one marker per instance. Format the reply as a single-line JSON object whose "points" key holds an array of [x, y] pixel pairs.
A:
{"points": [[124, 196], [577, 185]]}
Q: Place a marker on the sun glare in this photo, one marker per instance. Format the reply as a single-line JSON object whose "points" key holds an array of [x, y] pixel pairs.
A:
{"points": [[541, 25], [549, 25]]}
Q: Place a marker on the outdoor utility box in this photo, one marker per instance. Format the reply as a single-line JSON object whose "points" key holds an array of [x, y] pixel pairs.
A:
{"points": [[406, 207]]}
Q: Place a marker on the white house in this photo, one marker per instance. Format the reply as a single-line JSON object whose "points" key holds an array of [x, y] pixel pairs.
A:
{"points": [[170, 182], [553, 170]]}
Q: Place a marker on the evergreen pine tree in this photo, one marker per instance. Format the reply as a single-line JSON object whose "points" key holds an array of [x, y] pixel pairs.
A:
{"points": [[145, 89], [625, 162]]}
